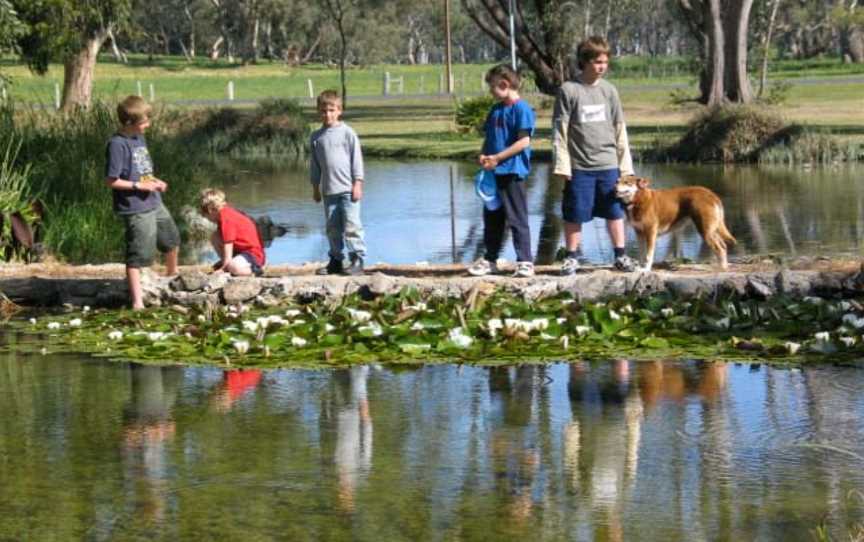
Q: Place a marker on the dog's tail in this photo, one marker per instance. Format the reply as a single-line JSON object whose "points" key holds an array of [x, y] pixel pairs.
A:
{"points": [[724, 232]]}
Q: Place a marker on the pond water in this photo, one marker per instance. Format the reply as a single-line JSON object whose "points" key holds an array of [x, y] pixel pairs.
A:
{"points": [[614, 450], [406, 212]]}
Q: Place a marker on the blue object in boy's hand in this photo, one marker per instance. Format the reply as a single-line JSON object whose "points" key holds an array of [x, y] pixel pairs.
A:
{"points": [[487, 189]]}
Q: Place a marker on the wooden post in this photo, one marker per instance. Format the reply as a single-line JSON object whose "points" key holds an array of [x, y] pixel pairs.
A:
{"points": [[448, 47], [386, 83], [311, 89], [441, 84], [230, 91], [452, 217], [140, 92], [57, 95], [152, 93]]}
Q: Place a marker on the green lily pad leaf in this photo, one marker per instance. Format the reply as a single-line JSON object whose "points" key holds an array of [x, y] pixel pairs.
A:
{"points": [[654, 342], [414, 348]]}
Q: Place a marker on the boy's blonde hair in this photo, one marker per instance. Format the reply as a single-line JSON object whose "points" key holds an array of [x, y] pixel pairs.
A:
{"points": [[328, 97], [591, 48], [211, 199], [503, 72], [133, 110]]}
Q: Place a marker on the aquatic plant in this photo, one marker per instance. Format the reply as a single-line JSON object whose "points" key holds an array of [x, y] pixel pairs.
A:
{"points": [[494, 328]]}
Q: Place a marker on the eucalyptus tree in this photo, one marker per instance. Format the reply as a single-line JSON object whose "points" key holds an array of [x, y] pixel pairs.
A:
{"points": [[72, 32]]}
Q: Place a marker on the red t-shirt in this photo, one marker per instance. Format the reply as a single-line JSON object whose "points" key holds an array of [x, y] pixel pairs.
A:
{"points": [[239, 229]]}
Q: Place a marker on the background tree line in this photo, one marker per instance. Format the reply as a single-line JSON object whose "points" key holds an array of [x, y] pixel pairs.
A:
{"points": [[724, 37]]}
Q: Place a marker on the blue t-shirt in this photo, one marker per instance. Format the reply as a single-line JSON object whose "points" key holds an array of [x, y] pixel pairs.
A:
{"points": [[503, 124], [127, 157]]}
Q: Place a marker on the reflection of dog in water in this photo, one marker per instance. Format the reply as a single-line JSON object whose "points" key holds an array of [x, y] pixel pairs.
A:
{"points": [[655, 212], [25, 234]]}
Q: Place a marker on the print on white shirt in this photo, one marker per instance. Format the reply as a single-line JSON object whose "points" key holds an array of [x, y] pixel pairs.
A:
{"points": [[592, 113]]}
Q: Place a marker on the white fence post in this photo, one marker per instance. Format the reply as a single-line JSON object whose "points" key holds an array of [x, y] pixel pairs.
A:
{"points": [[152, 93], [441, 83], [230, 91], [56, 95], [140, 92], [311, 89], [422, 84], [386, 83]]}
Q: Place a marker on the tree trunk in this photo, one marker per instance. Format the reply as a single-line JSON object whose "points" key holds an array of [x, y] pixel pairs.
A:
{"points": [[119, 56], [766, 47], [716, 58], [856, 44], [191, 47], [737, 84], [78, 74], [214, 49], [311, 50]]}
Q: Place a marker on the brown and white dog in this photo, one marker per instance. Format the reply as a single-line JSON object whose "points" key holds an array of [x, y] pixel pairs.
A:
{"points": [[655, 212]]}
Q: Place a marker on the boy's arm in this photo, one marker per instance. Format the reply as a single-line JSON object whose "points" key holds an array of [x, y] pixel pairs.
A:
{"points": [[314, 173], [622, 144], [523, 141], [357, 173], [560, 124]]}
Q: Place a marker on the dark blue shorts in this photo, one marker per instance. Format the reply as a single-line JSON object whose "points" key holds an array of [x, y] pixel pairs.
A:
{"points": [[256, 269], [590, 194]]}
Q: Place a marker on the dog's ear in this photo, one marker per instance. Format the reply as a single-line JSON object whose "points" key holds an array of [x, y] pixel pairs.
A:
{"points": [[642, 182]]}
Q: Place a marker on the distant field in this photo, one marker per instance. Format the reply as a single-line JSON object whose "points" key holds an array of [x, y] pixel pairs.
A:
{"points": [[173, 79]]}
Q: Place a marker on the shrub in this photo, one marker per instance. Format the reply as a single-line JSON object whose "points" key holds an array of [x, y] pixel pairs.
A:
{"points": [[728, 133], [471, 113]]}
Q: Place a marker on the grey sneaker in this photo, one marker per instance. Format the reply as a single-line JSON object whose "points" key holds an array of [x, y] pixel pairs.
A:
{"points": [[625, 263], [482, 267], [570, 266], [524, 269]]}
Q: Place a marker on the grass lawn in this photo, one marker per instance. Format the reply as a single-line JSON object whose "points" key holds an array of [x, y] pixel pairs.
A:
{"points": [[423, 126]]}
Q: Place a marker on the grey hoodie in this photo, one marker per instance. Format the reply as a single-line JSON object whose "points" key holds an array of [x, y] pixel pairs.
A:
{"points": [[336, 160]]}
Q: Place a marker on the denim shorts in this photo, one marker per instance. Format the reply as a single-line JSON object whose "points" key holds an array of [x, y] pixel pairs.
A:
{"points": [[590, 194], [148, 232]]}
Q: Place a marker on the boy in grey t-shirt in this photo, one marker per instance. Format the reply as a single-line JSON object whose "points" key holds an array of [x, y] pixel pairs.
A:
{"points": [[590, 149], [336, 171]]}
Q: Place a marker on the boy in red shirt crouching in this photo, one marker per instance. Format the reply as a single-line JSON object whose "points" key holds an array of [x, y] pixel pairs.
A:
{"points": [[236, 239]]}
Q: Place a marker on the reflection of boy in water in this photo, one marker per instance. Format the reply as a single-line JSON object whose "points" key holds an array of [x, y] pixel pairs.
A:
{"points": [[353, 455], [148, 428], [515, 449], [236, 384], [603, 438]]}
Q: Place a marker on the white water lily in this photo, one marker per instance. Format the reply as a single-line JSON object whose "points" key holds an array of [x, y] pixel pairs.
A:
{"points": [[86, 308], [32, 321], [330, 327], [241, 347], [419, 307], [582, 330], [417, 326], [115, 335], [853, 320], [566, 302], [560, 320], [494, 324], [298, 341], [517, 324], [847, 341], [373, 327], [627, 309], [202, 318], [157, 336], [75, 322], [360, 316], [291, 313], [547, 337], [250, 326], [53, 325], [667, 312], [812, 300], [822, 336], [457, 336], [565, 341], [614, 315], [231, 314], [791, 347]]}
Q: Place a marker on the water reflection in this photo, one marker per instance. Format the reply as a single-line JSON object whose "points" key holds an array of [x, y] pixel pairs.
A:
{"points": [[612, 450], [407, 212]]}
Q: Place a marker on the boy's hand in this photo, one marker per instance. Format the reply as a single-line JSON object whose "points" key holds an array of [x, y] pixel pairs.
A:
{"points": [[316, 194], [159, 185], [357, 191], [489, 161]]}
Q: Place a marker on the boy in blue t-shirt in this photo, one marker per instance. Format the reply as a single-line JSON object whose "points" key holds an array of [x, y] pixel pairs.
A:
{"points": [[507, 152]]}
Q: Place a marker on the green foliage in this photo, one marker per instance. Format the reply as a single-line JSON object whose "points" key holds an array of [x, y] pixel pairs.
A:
{"points": [[408, 327], [813, 146], [728, 133], [471, 113], [778, 93]]}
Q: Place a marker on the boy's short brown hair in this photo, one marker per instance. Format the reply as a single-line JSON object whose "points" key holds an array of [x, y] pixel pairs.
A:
{"points": [[591, 48], [505, 72], [210, 199], [133, 110], [328, 97]]}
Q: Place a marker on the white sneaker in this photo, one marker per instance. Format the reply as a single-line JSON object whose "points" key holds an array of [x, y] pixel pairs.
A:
{"points": [[570, 266], [524, 269], [482, 267]]}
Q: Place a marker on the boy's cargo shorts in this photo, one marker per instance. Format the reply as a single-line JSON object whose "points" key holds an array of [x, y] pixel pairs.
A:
{"points": [[147, 232], [590, 194]]}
